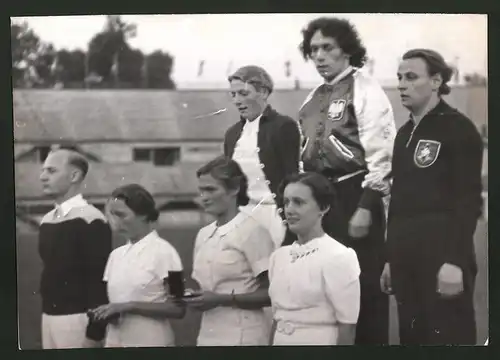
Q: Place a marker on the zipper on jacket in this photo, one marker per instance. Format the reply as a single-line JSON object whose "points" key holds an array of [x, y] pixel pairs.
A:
{"points": [[411, 135]]}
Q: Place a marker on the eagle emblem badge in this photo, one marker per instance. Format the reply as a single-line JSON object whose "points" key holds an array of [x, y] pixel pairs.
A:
{"points": [[426, 153], [336, 110]]}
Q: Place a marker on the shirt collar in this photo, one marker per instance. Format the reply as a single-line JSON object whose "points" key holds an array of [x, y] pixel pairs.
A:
{"points": [[307, 245], [66, 206], [142, 242], [230, 225], [340, 76], [254, 122]]}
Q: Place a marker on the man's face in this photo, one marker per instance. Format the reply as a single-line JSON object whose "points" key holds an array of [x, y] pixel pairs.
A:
{"points": [[329, 59], [249, 102], [416, 86], [57, 174]]}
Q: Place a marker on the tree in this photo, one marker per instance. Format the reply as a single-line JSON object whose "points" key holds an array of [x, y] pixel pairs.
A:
{"points": [[130, 69], [111, 57], [159, 67], [24, 48], [23, 42], [70, 67], [109, 48], [43, 63]]}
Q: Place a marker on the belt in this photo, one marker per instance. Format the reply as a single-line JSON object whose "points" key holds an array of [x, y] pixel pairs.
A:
{"points": [[288, 328]]}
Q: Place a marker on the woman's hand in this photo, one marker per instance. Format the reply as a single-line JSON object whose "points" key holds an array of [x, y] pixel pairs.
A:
{"points": [[205, 301], [107, 311]]}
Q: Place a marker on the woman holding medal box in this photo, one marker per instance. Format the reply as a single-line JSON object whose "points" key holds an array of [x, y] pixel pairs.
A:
{"points": [[231, 257], [137, 275]]}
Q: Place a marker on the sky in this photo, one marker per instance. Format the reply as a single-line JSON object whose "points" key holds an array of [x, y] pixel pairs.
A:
{"points": [[268, 40]]}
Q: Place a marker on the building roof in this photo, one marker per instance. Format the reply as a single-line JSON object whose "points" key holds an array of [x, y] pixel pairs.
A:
{"points": [[137, 115], [158, 115]]}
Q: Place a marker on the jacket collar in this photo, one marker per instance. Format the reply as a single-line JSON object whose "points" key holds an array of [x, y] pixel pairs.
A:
{"points": [[441, 108], [340, 76]]}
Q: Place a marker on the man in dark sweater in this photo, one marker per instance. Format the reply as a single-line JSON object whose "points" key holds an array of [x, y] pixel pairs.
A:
{"points": [[74, 245], [434, 208]]}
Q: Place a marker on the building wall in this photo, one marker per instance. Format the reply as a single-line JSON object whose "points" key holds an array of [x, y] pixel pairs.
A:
{"points": [[117, 157]]}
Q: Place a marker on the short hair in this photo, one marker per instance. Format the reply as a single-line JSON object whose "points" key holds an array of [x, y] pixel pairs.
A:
{"points": [[344, 33], [254, 75], [435, 65], [75, 158], [138, 199], [321, 188], [228, 172]]}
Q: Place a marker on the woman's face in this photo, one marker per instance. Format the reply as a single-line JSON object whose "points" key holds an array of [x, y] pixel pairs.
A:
{"points": [[122, 219], [301, 209], [214, 197]]}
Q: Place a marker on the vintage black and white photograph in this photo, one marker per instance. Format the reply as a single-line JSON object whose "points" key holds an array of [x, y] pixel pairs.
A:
{"points": [[251, 180]]}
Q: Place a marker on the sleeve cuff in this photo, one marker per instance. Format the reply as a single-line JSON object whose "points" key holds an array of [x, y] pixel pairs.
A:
{"points": [[369, 198]]}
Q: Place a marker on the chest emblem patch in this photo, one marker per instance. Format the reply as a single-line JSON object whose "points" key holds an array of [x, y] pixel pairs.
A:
{"points": [[336, 110], [426, 153]]}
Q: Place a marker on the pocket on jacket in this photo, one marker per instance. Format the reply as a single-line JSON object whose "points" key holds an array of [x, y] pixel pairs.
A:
{"points": [[340, 156], [344, 150]]}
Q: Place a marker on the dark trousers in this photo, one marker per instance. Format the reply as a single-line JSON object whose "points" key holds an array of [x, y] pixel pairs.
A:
{"points": [[373, 321], [416, 254]]}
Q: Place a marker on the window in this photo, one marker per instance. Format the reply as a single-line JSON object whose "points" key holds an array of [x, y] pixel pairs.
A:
{"points": [[142, 154], [164, 156]]}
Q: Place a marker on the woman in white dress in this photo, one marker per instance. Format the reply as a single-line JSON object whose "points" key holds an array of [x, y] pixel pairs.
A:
{"points": [[230, 262], [136, 275], [314, 282]]}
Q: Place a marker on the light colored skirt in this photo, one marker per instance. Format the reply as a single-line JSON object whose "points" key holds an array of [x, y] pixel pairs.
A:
{"points": [[234, 327], [140, 331]]}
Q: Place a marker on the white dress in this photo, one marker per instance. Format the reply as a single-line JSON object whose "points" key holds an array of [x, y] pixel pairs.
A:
{"points": [[136, 272], [228, 259], [313, 287]]}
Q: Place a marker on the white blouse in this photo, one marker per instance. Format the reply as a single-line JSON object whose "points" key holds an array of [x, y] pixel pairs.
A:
{"points": [[136, 272], [316, 283], [228, 259]]}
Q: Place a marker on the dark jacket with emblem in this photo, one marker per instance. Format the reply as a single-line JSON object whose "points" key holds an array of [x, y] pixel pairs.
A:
{"points": [[436, 192], [278, 141]]}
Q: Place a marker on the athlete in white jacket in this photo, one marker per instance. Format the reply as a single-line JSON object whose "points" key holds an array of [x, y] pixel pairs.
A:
{"points": [[348, 131]]}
